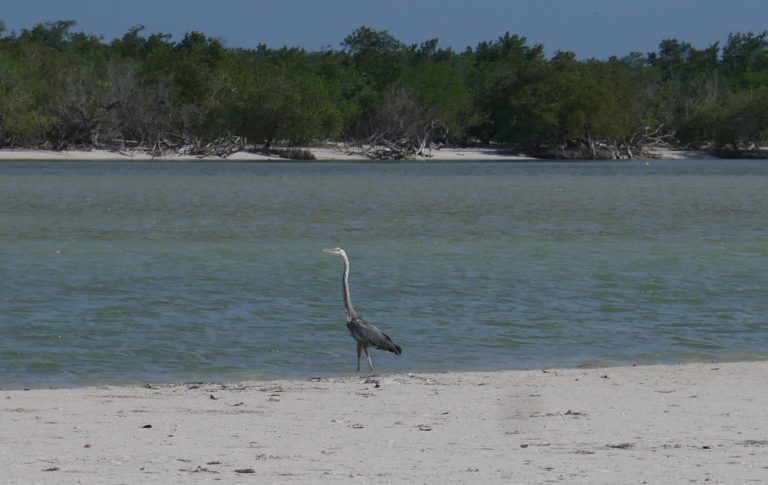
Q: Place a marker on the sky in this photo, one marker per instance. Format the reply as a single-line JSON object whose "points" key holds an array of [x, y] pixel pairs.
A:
{"points": [[590, 28]]}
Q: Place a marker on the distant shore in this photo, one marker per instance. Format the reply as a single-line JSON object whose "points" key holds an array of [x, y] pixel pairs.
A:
{"points": [[320, 153], [647, 424]]}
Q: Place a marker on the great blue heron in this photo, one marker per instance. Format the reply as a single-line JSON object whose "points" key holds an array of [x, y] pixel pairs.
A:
{"points": [[365, 334]]}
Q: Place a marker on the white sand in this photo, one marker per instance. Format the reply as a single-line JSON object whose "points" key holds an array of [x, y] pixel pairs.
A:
{"points": [[320, 153], [105, 155], [674, 154], [702, 423], [441, 155], [329, 152]]}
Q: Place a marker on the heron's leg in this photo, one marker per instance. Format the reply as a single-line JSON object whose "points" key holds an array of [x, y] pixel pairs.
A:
{"points": [[369, 358], [359, 348]]}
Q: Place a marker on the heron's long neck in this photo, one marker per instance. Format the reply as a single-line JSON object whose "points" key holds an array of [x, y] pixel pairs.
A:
{"points": [[345, 286]]}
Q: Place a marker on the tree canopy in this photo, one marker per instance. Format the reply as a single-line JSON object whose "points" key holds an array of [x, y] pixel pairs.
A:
{"points": [[65, 89]]}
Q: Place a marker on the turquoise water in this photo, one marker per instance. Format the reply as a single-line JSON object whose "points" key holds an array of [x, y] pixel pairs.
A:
{"points": [[167, 272]]}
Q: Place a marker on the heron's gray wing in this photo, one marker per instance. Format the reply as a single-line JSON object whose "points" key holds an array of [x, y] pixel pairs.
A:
{"points": [[366, 333]]}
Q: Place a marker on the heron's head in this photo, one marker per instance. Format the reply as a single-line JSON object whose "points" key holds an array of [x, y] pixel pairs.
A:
{"points": [[336, 251]]}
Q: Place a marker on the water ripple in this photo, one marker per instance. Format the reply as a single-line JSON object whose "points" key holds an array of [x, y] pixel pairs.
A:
{"points": [[131, 272]]}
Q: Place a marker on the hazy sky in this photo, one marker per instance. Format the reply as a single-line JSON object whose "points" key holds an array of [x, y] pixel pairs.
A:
{"points": [[591, 28]]}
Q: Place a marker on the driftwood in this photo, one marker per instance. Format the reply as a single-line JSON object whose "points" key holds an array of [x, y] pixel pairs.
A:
{"points": [[181, 145], [416, 140], [640, 145], [648, 139], [402, 128], [749, 150]]}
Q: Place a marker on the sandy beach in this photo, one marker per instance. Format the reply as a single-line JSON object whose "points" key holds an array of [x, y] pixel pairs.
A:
{"points": [[695, 423], [326, 153], [320, 153]]}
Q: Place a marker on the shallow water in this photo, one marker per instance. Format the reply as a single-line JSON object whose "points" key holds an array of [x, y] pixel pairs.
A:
{"points": [[132, 272]]}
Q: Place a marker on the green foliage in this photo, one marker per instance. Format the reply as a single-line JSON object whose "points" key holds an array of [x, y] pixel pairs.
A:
{"points": [[376, 55], [738, 121], [270, 101], [501, 71], [61, 88], [441, 96], [745, 60]]}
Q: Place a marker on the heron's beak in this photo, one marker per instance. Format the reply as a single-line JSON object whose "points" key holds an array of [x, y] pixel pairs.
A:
{"points": [[329, 251]]}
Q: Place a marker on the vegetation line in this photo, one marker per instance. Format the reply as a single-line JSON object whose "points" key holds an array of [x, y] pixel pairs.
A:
{"points": [[61, 89]]}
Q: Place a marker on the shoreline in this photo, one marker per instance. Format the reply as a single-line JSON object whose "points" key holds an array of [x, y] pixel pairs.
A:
{"points": [[320, 153], [652, 424]]}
